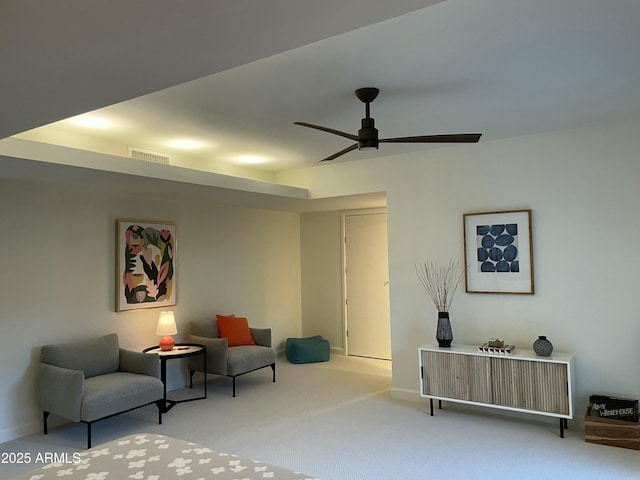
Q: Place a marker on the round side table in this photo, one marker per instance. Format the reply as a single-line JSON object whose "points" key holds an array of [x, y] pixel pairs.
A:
{"points": [[180, 350]]}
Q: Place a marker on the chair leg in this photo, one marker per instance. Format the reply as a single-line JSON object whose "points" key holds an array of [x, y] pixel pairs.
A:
{"points": [[159, 405], [45, 416], [233, 378], [191, 372], [88, 434]]}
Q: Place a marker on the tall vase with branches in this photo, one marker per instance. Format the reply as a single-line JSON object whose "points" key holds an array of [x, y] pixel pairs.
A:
{"points": [[441, 282]]}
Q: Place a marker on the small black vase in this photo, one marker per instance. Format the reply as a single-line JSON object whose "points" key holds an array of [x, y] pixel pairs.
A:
{"points": [[444, 335], [542, 346]]}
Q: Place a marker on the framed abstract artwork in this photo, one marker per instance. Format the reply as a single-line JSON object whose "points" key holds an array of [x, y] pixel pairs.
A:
{"points": [[146, 264], [498, 252]]}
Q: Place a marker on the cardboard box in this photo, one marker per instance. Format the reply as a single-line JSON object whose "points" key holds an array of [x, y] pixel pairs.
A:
{"points": [[615, 433]]}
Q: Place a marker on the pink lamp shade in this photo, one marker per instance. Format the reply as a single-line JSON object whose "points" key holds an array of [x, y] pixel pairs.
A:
{"points": [[166, 328]]}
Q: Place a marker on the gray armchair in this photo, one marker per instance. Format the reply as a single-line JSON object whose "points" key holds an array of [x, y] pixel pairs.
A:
{"points": [[231, 361], [95, 379]]}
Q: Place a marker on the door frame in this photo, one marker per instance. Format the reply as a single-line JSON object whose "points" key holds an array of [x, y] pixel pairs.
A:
{"points": [[343, 253]]}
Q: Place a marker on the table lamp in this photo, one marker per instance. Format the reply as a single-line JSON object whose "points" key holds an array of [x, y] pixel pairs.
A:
{"points": [[166, 328]]}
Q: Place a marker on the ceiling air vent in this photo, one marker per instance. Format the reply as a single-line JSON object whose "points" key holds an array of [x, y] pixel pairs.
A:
{"points": [[149, 156]]}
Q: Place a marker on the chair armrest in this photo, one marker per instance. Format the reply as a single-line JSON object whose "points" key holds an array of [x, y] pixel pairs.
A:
{"points": [[60, 391], [139, 362], [217, 351], [262, 336]]}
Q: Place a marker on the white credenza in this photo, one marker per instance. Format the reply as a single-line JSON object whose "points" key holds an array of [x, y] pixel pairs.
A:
{"points": [[520, 381]]}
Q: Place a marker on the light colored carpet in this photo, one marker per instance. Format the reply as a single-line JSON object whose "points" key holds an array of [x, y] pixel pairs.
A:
{"points": [[336, 421]]}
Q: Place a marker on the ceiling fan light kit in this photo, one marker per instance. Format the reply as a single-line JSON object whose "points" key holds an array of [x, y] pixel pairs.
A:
{"points": [[367, 138]]}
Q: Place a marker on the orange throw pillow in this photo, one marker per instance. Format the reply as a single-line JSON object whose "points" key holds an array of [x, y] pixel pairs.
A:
{"points": [[235, 330]]}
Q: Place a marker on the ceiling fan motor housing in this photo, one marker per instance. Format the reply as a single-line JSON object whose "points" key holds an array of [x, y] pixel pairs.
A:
{"points": [[368, 135]]}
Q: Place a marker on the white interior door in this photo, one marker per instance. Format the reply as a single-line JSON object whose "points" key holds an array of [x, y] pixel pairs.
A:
{"points": [[368, 329]]}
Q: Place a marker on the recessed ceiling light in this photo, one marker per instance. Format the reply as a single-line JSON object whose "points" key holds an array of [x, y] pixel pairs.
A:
{"points": [[92, 121], [250, 159], [186, 144]]}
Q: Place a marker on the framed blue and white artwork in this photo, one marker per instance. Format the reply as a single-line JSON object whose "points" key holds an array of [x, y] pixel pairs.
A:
{"points": [[498, 252]]}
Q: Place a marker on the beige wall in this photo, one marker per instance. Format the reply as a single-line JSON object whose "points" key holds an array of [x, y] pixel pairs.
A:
{"points": [[582, 186], [57, 256], [321, 266]]}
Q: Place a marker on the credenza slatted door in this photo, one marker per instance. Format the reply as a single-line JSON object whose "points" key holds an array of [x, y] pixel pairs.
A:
{"points": [[462, 377], [530, 385]]}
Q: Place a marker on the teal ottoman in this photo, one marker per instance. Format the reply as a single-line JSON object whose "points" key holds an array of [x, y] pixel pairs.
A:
{"points": [[307, 350]]}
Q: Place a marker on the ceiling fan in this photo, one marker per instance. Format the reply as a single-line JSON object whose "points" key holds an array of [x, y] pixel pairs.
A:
{"points": [[367, 138]]}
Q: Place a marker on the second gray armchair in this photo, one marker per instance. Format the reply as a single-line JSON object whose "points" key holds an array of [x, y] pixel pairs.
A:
{"points": [[231, 361]]}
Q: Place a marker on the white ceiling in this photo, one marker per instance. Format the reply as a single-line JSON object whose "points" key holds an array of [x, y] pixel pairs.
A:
{"points": [[236, 75]]}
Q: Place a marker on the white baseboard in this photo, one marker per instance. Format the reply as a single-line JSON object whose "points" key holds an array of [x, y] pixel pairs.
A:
{"points": [[19, 431], [332, 350], [406, 394]]}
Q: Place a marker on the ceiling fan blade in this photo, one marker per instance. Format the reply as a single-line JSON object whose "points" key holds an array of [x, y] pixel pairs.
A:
{"points": [[341, 152], [329, 130], [455, 138]]}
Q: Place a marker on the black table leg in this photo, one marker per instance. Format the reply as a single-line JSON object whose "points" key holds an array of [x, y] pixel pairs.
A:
{"points": [[204, 369], [163, 378]]}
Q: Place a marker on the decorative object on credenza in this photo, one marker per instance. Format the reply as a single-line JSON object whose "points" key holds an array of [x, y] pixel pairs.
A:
{"points": [[498, 252], [496, 342], [146, 264], [166, 327], [500, 349], [440, 283], [542, 346], [444, 334]]}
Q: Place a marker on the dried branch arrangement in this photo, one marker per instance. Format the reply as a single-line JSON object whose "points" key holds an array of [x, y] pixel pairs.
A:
{"points": [[440, 282]]}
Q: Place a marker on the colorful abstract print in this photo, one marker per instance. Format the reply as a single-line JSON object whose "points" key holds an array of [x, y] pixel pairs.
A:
{"points": [[149, 268], [498, 248]]}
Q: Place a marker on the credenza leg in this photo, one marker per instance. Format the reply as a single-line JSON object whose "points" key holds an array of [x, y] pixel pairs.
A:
{"points": [[562, 424], [431, 405], [440, 404]]}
